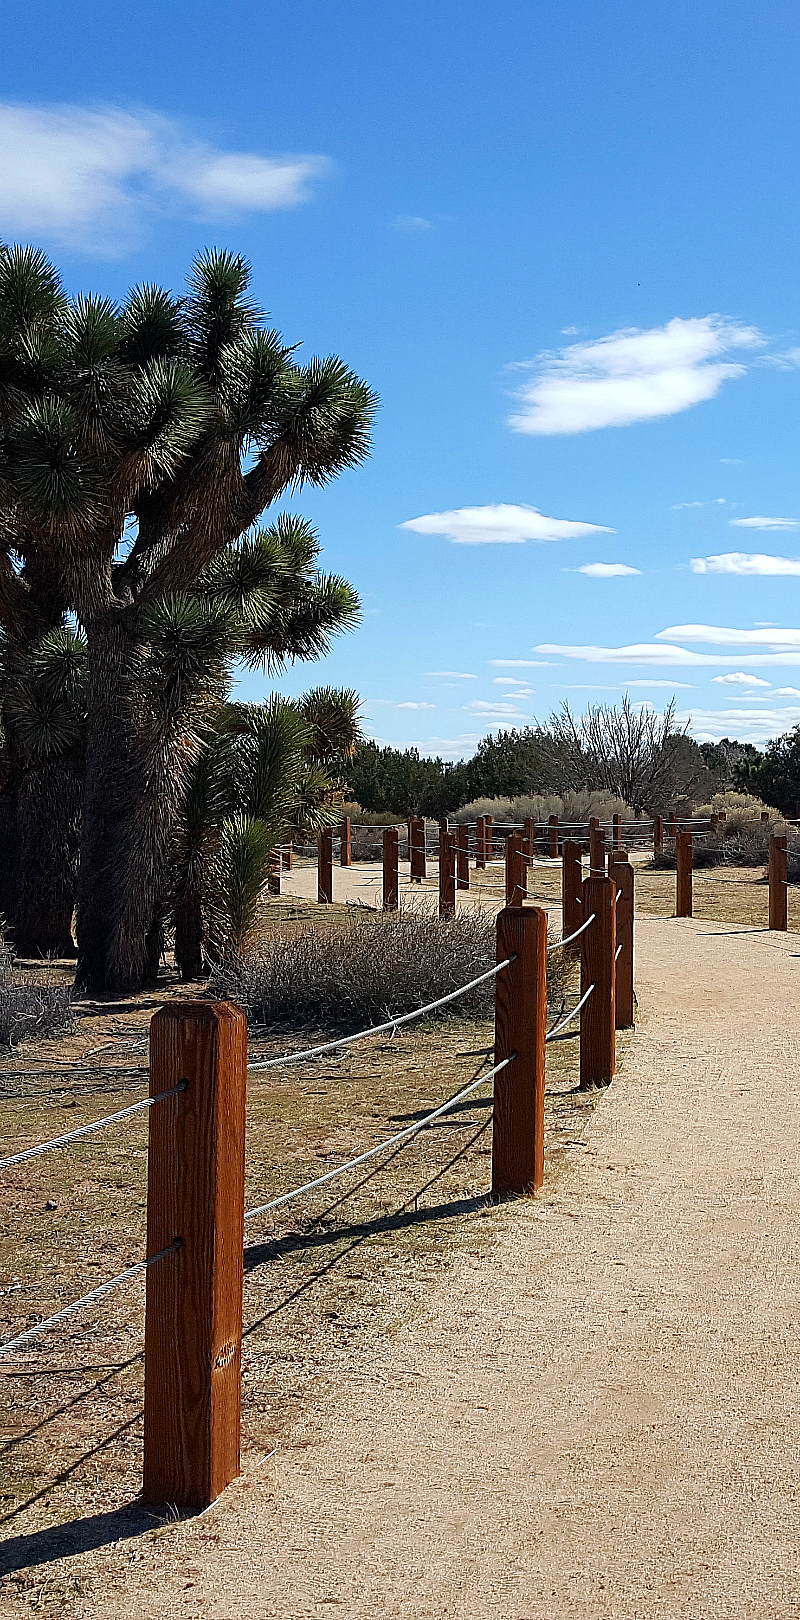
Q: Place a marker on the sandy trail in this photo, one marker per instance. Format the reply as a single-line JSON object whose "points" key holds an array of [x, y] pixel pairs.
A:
{"points": [[599, 1417]]}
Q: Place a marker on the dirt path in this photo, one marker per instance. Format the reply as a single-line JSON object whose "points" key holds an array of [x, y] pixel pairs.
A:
{"points": [[601, 1417]]}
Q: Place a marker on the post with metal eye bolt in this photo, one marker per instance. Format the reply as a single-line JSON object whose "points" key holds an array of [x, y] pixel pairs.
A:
{"points": [[598, 983], [571, 883], [520, 1031], [622, 873], [683, 868], [778, 889], [346, 853], [516, 870], [447, 872], [391, 876], [195, 1193], [462, 856]]}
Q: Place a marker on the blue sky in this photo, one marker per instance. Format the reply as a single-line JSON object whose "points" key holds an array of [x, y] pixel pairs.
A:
{"points": [[561, 242]]}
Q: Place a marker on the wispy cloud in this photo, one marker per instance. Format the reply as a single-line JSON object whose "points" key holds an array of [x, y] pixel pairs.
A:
{"points": [[500, 525], [738, 678], [690, 506], [659, 654], [750, 725], [412, 224], [633, 375], [518, 663], [764, 523], [94, 178], [508, 680], [391, 703], [719, 635], [450, 674], [601, 570], [786, 691], [495, 711], [745, 562]]}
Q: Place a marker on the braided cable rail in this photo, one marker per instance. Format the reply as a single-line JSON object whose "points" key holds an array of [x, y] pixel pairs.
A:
{"points": [[86, 1130], [557, 1028], [87, 1299], [390, 1141]]}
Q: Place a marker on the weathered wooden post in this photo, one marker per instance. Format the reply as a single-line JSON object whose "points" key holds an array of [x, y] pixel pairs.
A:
{"points": [[195, 1193], [488, 822], [480, 844], [515, 870], [671, 827], [520, 1029], [571, 881], [325, 867], [274, 873], [287, 856], [416, 848], [658, 835], [778, 886], [621, 872], [765, 816], [391, 875], [447, 872], [616, 831], [346, 856], [529, 843], [597, 848], [552, 837], [462, 856], [714, 822], [683, 864], [598, 1015]]}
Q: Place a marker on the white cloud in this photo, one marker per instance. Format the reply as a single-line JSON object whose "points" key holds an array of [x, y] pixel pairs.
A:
{"points": [[751, 563], [786, 691], [738, 678], [451, 674], [659, 654], [391, 703], [416, 705], [92, 178], [756, 726], [500, 525], [764, 523], [717, 635], [686, 506], [518, 663], [685, 686], [413, 224], [631, 376], [601, 570], [507, 680], [495, 711]]}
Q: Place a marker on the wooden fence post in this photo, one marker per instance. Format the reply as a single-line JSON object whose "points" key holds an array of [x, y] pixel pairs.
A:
{"points": [[480, 844], [571, 880], [616, 832], [488, 823], [621, 872], [416, 848], [598, 1016], [274, 873], [447, 872], [346, 857], [515, 870], [287, 857], [683, 864], [597, 848], [529, 842], [391, 878], [714, 822], [765, 815], [658, 835], [462, 856], [552, 837], [520, 1029], [325, 867], [778, 888], [195, 1192]]}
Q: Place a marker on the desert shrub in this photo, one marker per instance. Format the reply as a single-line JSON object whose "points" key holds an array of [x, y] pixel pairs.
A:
{"points": [[741, 842], [371, 818], [374, 967], [31, 1004], [743, 807], [569, 807]]}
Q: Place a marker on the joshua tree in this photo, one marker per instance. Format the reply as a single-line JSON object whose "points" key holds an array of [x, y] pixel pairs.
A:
{"points": [[140, 446]]}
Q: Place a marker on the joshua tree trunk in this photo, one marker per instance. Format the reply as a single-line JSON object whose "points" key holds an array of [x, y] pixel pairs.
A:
{"points": [[48, 823], [188, 915]]}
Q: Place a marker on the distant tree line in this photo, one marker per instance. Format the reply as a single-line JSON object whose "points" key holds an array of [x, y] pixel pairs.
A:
{"points": [[629, 751]]}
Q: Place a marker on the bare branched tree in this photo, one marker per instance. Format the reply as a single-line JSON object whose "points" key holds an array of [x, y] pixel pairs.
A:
{"points": [[632, 752]]}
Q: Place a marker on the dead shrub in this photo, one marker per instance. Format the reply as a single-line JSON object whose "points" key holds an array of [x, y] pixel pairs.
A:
{"points": [[31, 1003], [371, 969]]}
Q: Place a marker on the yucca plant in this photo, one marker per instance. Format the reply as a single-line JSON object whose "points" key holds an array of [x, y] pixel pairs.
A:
{"points": [[140, 446]]}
